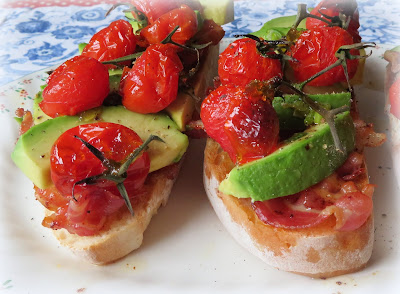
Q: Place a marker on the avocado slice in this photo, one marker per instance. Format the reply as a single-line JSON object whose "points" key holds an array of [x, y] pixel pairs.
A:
{"points": [[38, 115], [181, 110], [300, 163], [220, 11], [396, 49], [32, 151], [293, 112]]}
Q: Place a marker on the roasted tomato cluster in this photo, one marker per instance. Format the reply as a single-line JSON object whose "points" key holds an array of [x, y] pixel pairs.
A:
{"points": [[155, 60], [81, 83], [238, 114], [235, 114]]}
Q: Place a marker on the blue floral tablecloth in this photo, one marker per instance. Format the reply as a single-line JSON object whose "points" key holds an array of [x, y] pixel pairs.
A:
{"points": [[33, 39]]}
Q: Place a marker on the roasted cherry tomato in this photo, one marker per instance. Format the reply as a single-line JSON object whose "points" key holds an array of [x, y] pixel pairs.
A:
{"points": [[394, 98], [152, 83], [116, 40], [332, 8], [241, 63], [184, 17], [242, 122], [71, 161], [209, 32], [153, 9], [315, 50], [79, 84]]}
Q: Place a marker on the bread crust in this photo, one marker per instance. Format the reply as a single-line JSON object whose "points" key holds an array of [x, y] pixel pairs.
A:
{"points": [[318, 252]]}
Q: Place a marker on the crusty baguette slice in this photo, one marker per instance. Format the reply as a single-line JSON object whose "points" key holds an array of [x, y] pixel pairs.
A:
{"points": [[319, 252], [124, 233]]}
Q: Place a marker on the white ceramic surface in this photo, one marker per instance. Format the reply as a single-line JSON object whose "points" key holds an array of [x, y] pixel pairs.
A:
{"points": [[186, 249]]}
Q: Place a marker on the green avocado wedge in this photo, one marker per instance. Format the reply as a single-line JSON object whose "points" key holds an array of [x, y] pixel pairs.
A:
{"points": [[32, 151], [300, 163], [293, 112]]}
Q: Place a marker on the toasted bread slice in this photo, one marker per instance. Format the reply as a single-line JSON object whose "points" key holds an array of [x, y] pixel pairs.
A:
{"points": [[319, 252], [123, 232]]}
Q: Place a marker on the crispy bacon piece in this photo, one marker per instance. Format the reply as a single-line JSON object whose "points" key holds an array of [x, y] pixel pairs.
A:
{"points": [[352, 167], [366, 136]]}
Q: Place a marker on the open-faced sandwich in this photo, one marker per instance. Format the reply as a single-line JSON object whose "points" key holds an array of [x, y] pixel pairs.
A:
{"points": [[284, 166], [106, 137]]}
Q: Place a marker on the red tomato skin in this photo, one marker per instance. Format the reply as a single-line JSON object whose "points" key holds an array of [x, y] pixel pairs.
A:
{"points": [[79, 84], [246, 126], [184, 17], [153, 9], [152, 83], [332, 8], [315, 50], [116, 40], [394, 98], [71, 161], [241, 63]]}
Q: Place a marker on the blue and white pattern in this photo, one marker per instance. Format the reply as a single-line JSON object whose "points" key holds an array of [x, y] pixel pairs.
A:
{"points": [[379, 19], [33, 39]]}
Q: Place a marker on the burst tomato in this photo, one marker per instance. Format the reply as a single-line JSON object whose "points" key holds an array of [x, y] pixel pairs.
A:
{"points": [[153, 9], [152, 83], [71, 161], [394, 98], [116, 40], [79, 84], [241, 63], [246, 126], [315, 50], [332, 8], [184, 17]]}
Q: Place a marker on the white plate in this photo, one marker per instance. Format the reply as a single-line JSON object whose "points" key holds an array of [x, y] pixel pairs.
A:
{"points": [[185, 249]]}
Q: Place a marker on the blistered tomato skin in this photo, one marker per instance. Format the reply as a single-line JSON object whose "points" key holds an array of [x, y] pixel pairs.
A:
{"points": [[152, 83], [79, 84], [394, 98], [332, 8], [184, 17], [246, 126], [241, 63], [116, 40], [315, 50], [153, 9], [71, 161]]}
